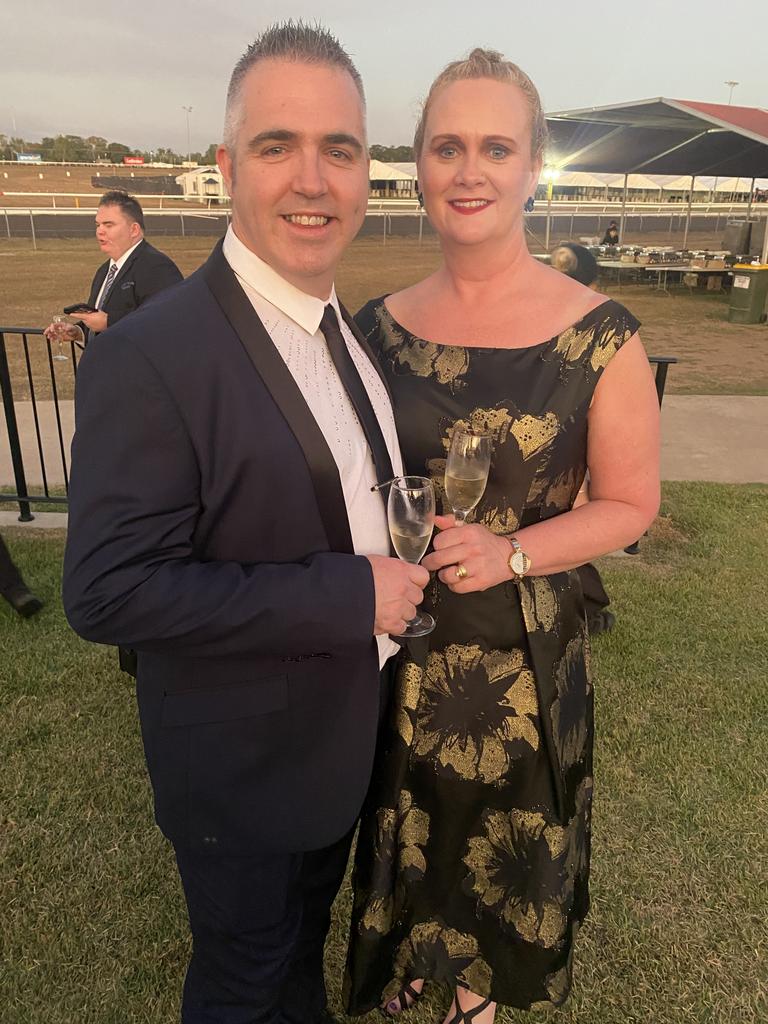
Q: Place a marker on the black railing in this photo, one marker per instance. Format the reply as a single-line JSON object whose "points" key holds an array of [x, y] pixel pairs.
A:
{"points": [[40, 443], [662, 364], [31, 377]]}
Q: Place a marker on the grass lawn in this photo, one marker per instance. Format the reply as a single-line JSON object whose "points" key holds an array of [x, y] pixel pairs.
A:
{"points": [[92, 926]]}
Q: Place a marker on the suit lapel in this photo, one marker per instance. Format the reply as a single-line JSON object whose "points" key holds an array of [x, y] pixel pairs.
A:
{"points": [[270, 366], [127, 266], [98, 281]]}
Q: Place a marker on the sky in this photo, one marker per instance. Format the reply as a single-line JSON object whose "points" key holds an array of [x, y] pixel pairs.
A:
{"points": [[125, 71]]}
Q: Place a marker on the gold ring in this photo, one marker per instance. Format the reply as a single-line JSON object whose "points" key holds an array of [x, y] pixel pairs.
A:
{"points": [[461, 572]]}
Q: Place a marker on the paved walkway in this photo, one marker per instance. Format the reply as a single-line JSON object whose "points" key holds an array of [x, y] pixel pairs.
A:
{"points": [[718, 438]]}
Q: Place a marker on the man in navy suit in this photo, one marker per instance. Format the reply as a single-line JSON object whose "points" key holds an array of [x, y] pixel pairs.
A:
{"points": [[222, 524], [135, 270]]}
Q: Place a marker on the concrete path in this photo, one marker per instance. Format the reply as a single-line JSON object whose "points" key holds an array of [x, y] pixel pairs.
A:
{"points": [[54, 466], [717, 438]]}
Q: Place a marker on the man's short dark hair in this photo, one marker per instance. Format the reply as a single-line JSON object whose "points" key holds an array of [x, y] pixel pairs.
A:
{"points": [[127, 204], [289, 40]]}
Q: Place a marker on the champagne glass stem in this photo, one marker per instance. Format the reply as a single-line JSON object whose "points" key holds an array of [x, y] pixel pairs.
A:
{"points": [[460, 516]]}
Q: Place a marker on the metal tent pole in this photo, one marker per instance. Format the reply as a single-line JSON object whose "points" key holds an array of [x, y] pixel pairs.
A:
{"points": [[749, 204], [623, 209], [688, 214]]}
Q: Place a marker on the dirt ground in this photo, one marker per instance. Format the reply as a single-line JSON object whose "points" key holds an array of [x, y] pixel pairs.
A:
{"points": [[716, 357]]}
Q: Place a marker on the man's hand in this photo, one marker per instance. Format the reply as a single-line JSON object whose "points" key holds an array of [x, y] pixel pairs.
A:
{"points": [[96, 322], [399, 588], [63, 332]]}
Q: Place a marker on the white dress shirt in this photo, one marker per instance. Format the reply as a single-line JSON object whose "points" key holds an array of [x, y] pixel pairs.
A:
{"points": [[292, 319], [115, 263]]}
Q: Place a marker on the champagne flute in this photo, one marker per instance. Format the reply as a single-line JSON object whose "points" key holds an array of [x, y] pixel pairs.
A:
{"points": [[411, 518], [466, 471], [64, 329]]}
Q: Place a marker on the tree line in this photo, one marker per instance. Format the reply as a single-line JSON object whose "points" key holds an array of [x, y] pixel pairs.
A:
{"points": [[75, 149]]}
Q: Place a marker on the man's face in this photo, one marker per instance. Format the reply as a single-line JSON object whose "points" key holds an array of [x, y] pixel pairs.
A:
{"points": [[298, 175], [115, 233]]}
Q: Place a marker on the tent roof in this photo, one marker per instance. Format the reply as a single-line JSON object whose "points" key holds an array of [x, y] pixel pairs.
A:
{"points": [[380, 171], [662, 136], [408, 166]]}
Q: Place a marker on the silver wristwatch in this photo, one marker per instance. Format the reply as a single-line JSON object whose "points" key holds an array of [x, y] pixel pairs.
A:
{"points": [[519, 563]]}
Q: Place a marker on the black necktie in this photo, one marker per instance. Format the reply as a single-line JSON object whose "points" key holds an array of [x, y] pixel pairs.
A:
{"points": [[358, 396]]}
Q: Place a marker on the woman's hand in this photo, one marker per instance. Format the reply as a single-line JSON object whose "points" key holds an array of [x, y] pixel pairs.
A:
{"points": [[483, 555]]}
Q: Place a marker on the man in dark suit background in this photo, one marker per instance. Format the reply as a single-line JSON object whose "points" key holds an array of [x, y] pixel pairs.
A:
{"points": [[135, 270], [222, 524]]}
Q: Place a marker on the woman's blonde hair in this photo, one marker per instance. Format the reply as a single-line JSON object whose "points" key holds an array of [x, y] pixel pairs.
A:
{"points": [[488, 64]]}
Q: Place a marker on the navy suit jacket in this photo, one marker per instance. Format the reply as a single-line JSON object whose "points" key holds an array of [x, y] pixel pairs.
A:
{"points": [[146, 272], [208, 531]]}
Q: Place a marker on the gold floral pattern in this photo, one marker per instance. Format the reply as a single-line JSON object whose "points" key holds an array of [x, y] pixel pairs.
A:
{"points": [[524, 900], [433, 950], [447, 363], [475, 710], [517, 438], [539, 603], [534, 433], [568, 713], [407, 700], [398, 859], [597, 343]]}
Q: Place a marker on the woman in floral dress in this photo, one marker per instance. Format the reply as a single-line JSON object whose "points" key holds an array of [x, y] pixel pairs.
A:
{"points": [[473, 857]]}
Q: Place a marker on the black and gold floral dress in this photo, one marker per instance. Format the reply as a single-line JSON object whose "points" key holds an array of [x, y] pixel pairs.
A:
{"points": [[473, 855]]}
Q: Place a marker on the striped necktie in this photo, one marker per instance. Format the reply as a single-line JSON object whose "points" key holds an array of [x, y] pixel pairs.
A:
{"points": [[107, 285]]}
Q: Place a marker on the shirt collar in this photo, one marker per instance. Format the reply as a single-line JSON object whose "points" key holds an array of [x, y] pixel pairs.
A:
{"points": [[305, 310], [121, 262]]}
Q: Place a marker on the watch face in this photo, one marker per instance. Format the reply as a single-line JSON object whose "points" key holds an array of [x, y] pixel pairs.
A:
{"points": [[519, 563]]}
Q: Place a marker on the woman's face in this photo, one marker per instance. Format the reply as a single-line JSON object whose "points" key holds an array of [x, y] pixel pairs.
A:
{"points": [[475, 169]]}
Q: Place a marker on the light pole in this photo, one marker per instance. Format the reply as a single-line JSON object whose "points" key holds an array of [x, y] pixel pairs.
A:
{"points": [[188, 111], [731, 86]]}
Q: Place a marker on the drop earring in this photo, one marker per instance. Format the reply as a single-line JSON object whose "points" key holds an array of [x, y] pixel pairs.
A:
{"points": [[528, 204], [420, 197]]}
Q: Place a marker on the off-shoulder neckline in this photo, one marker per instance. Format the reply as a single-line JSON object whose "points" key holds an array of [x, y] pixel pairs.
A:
{"points": [[491, 348]]}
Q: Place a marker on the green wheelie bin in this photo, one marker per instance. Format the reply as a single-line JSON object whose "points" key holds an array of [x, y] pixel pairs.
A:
{"points": [[749, 293]]}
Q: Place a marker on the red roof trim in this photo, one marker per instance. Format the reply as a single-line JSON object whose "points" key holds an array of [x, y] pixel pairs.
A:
{"points": [[751, 119]]}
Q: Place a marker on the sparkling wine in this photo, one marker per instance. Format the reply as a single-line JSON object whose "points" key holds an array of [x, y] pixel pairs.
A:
{"points": [[410, 544], [464, 492]]}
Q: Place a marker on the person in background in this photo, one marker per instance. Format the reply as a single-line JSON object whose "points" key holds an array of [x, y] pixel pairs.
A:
{"points": [[13, 588], [611, 236], [135, 270]]}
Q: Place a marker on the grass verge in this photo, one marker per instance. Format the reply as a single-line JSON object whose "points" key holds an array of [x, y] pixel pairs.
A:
{"points": [[92, 926]]}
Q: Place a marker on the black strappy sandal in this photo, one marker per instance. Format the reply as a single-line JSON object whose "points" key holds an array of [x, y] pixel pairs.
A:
{"points": [[466, 1016], [406, 992]]}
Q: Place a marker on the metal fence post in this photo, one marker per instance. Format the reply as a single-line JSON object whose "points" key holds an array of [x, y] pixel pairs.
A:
{"points": [[32, 225], [662, 364], [6, 391]]}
